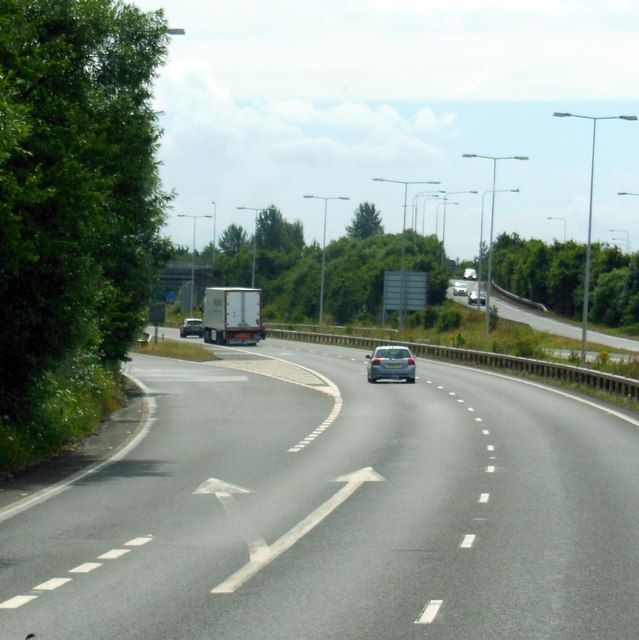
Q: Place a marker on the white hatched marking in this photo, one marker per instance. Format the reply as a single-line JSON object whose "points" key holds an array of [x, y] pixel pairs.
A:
{"points": [[17, 601], [114, 554], [52, 584], [430, 611], [468, 541], [86, 567], [484, 497]]}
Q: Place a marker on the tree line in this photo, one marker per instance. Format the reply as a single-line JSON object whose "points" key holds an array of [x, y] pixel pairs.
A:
{"points": [[289, 271], [554, 275]]}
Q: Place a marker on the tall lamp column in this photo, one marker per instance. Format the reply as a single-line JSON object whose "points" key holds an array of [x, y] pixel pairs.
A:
{"points": [[584, 326], [492, 217], [321, 300], [254, 242], [195, 218], [402, 286]]}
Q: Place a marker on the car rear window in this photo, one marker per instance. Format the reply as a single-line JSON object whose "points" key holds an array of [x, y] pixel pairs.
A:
{"points": [[393, 353]]}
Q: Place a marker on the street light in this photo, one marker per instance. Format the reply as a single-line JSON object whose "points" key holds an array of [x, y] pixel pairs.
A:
{"points": [[321, 302], [254, 242], [402, 294], [214, 238], [627, 240], [481, 241], [562, 220], [584, 328], [443, 203], [450, 193], [424, 213], [195, 218], [421, 194], [492, 217]]}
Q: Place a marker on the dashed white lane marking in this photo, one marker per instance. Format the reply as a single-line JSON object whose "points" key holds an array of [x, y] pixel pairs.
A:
{"points": [[17, 601], [484, 497], [429, 612], [86, 567], [114, 554], [468, 541], [490, 447], [138, 542], [485, 432], [490, 469], [52, 584]]}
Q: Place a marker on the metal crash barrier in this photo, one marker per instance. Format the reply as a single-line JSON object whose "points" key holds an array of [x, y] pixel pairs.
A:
{"points": [[606, 382]]}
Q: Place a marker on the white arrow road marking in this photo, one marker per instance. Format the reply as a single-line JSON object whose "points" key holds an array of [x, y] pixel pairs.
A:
{"points": [[353, 482], [223, 491]]}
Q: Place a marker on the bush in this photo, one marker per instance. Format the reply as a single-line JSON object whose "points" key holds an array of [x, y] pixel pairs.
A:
{"points": [[449, 319]]}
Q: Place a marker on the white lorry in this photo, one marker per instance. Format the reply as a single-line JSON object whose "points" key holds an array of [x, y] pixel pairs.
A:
{"points": [[232, 315]]}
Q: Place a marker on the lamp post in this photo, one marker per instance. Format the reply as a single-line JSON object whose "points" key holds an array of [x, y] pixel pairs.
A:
{"points": [[195, 218], [584, 327], [321, 300], [214, 238], [402, 287], [481, 240], [443, 203], [424, 212], [562, 220], [254, 242], [421, 194], [627, 239], [450, 193], [492, 217]]}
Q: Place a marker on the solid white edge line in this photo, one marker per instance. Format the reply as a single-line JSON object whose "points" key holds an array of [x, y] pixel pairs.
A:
{"points": [[146, 420], [429, 612]]}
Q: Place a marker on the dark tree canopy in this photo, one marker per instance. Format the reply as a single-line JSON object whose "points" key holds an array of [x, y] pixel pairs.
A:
{"points": [[367, 221], [81, 205]]}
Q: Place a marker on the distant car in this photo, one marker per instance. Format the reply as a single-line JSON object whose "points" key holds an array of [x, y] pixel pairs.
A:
{"points": [[473, 296], [460, 288], [391, 362], [470, 274], [192, 327]]}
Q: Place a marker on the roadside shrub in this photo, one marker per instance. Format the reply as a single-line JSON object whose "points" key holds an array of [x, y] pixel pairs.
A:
{"points": [[449, 319], [430, 316]]}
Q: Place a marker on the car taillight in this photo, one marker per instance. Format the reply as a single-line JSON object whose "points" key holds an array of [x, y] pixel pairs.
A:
{"points": [[411, 360], [377, 361]]}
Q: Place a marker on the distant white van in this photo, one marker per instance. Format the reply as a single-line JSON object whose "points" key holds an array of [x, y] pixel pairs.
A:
{"points": [[470, 274]]}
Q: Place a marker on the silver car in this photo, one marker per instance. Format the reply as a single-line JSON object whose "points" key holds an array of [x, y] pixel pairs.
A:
{"points": [[391, 362]]}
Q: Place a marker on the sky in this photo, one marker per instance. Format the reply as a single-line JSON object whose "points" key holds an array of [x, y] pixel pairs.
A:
{"points": [[263, 102]]}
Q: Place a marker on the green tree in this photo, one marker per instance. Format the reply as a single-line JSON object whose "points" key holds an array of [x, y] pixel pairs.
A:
{"points": [[82, 206], [233, 240], [367, 221]]}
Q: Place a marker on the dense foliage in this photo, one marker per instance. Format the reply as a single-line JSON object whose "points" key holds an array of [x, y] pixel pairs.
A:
{"points": [[554, 276], [81, 205], [289, 271]]}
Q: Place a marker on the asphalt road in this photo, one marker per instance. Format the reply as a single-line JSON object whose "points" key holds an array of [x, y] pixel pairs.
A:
{"points": [[541, 321], [277, 494]]}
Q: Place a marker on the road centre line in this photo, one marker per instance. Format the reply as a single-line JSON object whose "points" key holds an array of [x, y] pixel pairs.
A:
{"points": [[52, 584], [467, 541], [429, 612], [86, 567], [114, 554], [17, 601]]}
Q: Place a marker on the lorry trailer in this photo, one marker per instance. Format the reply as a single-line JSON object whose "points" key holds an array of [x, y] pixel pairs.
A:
{"points": [[232, 315]]}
